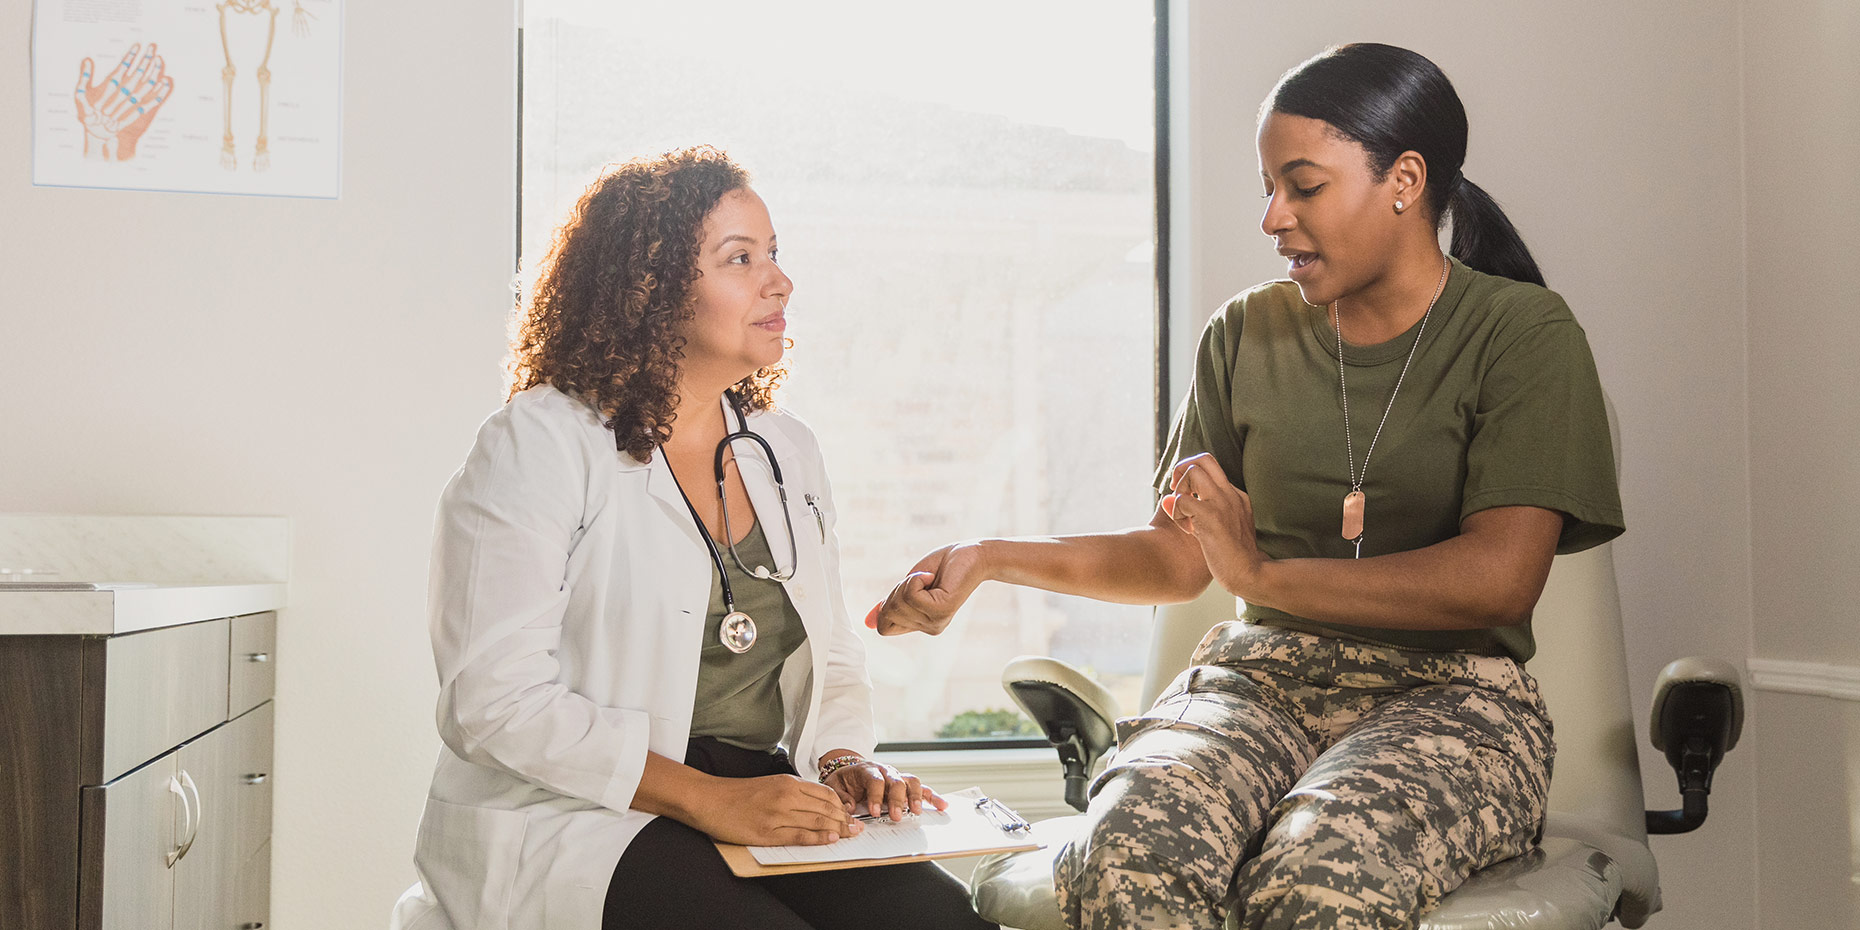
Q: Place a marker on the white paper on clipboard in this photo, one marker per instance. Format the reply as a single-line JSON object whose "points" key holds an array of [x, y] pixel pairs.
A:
{"points": [[962, 828]]}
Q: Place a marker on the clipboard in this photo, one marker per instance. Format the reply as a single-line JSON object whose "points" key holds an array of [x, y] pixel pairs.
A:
{"points": [[957, 833]]}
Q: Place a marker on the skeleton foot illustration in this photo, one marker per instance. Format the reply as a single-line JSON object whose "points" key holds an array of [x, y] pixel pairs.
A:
{"points": [[300, 21]]}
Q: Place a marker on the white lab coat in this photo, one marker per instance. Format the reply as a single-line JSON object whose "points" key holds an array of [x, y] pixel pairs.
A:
{"points": [[568, 597]]}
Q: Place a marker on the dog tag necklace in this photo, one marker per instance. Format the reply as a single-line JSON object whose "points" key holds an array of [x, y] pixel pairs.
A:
{"points": [[1355, 503]]}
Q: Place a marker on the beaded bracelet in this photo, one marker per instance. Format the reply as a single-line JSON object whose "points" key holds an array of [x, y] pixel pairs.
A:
{"points": [[839, 762]]}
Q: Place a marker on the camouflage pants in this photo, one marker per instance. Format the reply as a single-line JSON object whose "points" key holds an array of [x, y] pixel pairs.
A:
{"points": [[1310, 782]]}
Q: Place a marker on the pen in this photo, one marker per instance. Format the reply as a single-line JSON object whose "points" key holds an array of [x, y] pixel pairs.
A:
{"points": [[871, 818]]}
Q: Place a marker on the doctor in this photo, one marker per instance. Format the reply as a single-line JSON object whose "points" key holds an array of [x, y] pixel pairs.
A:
{"points": [[635, 603]]}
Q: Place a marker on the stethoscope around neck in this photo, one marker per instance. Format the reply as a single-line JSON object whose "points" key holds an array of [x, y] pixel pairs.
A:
{"points": [[737, 632]]}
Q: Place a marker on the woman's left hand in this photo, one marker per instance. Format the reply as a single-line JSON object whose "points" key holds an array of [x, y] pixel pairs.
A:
{"points": [[1207, 506], [869, 787]]}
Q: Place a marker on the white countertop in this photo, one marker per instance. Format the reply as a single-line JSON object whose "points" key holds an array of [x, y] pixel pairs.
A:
{"points": [[129, 608]]}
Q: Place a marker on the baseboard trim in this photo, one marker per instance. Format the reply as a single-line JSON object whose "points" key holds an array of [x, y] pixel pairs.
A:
{"points": [[1841, 682]]}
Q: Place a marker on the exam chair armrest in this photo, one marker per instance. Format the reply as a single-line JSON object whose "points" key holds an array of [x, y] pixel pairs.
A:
{"points": [[1698, 714], [1076, 713]]}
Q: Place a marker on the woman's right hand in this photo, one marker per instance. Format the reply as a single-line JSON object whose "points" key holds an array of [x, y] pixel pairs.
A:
{"points": [[928, 598], [772, 810]]}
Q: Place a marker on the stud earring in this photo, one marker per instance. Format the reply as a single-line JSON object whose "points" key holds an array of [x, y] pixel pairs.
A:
{"points": [[1398, 206]]}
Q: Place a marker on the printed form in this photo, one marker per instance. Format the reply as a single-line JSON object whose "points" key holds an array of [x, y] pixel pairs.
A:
{"points": [[963, 828]]}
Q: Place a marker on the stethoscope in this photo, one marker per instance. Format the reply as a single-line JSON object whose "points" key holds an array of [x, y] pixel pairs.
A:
{"points": [[738, 630]]}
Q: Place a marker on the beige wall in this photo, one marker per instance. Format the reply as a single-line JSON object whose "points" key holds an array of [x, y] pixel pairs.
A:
{"points": [[1610, 134], [1801, 192], [323, 360], [1808, 812]]}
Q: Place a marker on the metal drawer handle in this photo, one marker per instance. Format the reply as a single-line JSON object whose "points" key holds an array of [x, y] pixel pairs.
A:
{"points": [[252, 925], [258, 657], [187, 819], [256, 778], [200, 813]]}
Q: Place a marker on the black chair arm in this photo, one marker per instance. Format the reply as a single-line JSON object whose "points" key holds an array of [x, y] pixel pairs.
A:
{"points": [[1698, 714], [1075, 712]]}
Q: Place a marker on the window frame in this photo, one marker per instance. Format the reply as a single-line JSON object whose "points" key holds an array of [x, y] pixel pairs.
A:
{"points": [[1161, 385]]}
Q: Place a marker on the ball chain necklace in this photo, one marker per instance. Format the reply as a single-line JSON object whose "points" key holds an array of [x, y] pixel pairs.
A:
{"points": [[1355, 502]]}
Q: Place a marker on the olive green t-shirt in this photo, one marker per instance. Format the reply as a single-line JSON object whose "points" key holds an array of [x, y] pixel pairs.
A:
{"points": [[1501, 407], [739, 696]]}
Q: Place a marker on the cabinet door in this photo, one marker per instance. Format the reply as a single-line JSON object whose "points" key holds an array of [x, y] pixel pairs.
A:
{"points": [[132, 827], [231, 767]]}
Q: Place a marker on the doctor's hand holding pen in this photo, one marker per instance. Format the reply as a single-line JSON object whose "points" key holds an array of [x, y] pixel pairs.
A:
{"points": [[769, 810]]}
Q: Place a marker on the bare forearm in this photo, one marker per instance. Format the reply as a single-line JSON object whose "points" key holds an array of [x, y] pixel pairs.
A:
{"points": [[1144, 565], [1156, 564], [768, 810], [670, 789], [1466, 582]]}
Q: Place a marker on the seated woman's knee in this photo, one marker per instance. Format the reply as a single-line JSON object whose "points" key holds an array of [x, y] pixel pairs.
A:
{"points": [[1338, 865], [1155, 825]]}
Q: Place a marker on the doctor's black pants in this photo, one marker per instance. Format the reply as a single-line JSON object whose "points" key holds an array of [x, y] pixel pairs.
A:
{"points": [[671, 876]]}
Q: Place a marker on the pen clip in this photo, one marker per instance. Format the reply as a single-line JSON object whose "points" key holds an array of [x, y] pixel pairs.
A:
{"points": [[1001, 816], [820, 519]]}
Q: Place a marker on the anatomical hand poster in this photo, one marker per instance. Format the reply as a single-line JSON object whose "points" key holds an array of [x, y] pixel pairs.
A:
{"points": [[230, 97]]}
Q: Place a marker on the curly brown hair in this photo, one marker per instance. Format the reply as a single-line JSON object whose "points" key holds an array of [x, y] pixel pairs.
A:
{"points": [[601, 322]]}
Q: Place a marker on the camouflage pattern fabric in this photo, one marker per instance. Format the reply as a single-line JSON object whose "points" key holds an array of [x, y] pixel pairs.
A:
{"points": [[1310, 782]]}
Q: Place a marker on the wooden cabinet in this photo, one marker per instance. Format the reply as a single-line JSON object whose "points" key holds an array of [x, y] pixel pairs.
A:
{"points": [[136, 788]]}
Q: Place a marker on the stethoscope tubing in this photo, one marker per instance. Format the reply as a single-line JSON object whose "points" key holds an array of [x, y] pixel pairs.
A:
{"points": [[781, 492], [716, 555]]}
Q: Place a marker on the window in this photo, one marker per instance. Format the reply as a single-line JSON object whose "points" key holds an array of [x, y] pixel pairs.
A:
{"points": [[964, 197]]}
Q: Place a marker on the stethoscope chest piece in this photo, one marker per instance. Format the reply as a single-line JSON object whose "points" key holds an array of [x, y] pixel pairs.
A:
{"points": [[737, 632]]}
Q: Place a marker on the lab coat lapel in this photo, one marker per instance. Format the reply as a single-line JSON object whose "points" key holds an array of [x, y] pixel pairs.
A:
{"points": [[663, 487]]}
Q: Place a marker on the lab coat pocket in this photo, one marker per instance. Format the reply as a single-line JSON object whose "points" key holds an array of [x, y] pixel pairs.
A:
{"points": [[468, 858]]}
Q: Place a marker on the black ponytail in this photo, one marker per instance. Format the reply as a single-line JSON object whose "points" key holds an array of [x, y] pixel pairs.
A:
{"points": [[1390, 100], [1484, 238]]}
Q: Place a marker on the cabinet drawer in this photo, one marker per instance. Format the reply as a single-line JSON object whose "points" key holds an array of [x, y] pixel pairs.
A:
{"points": [[252, 892], [161, 688], [250, 673], [249, 749]]}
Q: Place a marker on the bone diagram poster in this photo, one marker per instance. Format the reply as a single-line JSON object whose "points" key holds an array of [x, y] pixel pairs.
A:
{"points": [[233, 97]]}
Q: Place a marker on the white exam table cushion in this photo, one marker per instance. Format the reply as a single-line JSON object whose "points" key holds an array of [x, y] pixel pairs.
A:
{"points": [[1565, 884]]}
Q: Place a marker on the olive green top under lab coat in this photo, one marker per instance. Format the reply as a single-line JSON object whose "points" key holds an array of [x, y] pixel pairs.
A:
{"points": [[739, 696]]}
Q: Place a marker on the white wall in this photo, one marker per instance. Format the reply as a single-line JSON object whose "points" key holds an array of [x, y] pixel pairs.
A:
{"points": [[324, 360], [1801, 187], [1610, 133]]}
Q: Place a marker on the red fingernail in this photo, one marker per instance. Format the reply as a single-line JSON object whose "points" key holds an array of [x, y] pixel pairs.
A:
{"points": [[871, 619]]}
